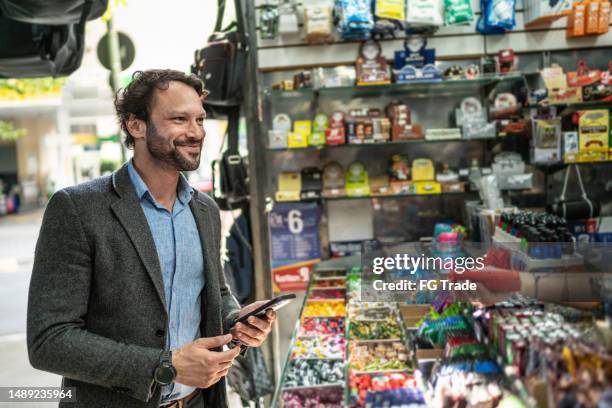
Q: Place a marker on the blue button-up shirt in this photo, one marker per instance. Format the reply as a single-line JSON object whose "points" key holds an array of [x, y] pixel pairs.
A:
{"points": [[182, 265]]}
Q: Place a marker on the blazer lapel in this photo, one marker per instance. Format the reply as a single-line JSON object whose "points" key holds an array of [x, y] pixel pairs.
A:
{"points": [[211, 302], [130, 215]]}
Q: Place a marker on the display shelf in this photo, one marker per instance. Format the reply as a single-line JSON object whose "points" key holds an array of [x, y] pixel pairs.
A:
{"points": [[554, 167], [369, 197], [424, 89], [377, 145], [569, 108]]}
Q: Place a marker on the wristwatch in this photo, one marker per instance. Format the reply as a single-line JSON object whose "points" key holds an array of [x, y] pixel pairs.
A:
{"points": [[165, 373]]}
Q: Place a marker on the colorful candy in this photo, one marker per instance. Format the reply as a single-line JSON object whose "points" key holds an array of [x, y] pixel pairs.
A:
{"points": [[375, 330], [319, 347], [315, 326], [325, 308], [323, 294], [305, 373], [377, 356]]}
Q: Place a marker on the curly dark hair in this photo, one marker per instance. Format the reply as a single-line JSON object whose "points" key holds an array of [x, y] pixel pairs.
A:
{"points": [[135, 99]]}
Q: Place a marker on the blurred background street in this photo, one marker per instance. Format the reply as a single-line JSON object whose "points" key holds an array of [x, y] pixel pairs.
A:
{"points": [[18, 234]]}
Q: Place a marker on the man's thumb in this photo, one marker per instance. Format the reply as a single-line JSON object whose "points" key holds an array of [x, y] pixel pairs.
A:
{"points": [[212, 342]]}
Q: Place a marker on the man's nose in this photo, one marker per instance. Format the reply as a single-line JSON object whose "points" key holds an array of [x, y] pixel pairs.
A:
{"points": [[196, 130]]}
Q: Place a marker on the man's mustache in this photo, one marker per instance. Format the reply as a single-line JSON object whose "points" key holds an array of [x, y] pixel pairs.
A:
{"points": [[188, 142]]}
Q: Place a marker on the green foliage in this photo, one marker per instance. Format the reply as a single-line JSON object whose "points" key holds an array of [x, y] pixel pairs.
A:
{"points": [[16, 89], [112, 5], [9, 132]]}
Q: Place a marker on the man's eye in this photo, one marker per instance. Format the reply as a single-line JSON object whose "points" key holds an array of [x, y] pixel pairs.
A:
{"points": [[200, 121], [179, 119]]}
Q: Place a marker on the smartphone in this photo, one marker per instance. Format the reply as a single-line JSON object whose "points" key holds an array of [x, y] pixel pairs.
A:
{"points": [[274, 304]]}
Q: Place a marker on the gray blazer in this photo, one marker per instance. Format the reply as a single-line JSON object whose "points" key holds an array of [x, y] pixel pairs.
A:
{"points": [[96, 308]]}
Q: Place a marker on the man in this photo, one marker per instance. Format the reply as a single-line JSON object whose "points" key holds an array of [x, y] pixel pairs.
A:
{"points": [[127, 300]]}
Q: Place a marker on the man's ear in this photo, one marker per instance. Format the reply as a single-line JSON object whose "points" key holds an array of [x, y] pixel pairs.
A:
{"points": [[136, 127]]}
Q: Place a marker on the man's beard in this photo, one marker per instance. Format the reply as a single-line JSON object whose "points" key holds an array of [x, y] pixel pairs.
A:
{"points": [[158, 148]]}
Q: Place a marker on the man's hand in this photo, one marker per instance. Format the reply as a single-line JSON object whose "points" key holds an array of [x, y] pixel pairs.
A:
{"points": [[255, 332], [199, 367]]}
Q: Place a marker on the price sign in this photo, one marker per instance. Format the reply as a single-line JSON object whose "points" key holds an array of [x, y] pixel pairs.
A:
{"points": [[295, 244]]}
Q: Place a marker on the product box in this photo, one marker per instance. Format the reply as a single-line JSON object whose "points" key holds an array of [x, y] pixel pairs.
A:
{"points": [[544, 11], [592, 17], [297, 140], [427, 187], [576, 21], [604, 17], [289, 187], [594, 130], [546, 147], [565, 96], [423, 170], [379, 186], [453, 186]]}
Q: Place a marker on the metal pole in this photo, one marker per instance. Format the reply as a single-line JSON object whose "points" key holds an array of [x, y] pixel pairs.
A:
{"points": [[114, 56], [257, 184]]}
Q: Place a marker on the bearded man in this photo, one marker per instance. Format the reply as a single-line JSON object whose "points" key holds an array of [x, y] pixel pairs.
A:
{"points": [[127, 299]]}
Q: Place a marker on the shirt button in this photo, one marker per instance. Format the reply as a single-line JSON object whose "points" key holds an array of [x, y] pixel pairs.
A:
{"points": [[160, 333]]}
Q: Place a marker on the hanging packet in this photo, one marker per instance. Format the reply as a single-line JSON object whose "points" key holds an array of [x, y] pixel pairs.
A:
{"points": [[457, 12], [355, 19], [318, 23], [390, 9], [424, 13], [498, 16]]}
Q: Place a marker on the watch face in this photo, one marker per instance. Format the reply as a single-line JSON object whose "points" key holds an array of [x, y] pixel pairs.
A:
{"points": [[164, 375]]}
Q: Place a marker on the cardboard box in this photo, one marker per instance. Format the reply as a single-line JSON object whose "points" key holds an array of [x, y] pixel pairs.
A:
{"points": [[576, 21], [604, 17], [414, 310], [594, 130], [429, 354], [539, 12], [592, 17], [427, 187]]}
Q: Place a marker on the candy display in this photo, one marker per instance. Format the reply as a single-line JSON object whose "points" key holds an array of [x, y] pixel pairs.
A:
{"points": [[517, 353], [304, 373], [378, 356], [319, 347], [329, 283], [364, 387], [324, 308], [327, 293], [327, 397], [372, 330], [315, 326]]}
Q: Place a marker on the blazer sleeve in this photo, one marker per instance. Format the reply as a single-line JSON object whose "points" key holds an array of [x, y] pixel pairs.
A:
{"points": [[57, 336]]}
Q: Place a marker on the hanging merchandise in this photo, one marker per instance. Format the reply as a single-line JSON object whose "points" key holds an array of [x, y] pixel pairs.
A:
{"points": [[546, 140], [506, 61], [388, 18], [268, 21], [355, 19], [498, 16], [318, 23], [288, 19], [371, 65], [579, 209], [415, 63], [414, 53], [333, 180], [457, 12], [357, 183], [424, 13]]}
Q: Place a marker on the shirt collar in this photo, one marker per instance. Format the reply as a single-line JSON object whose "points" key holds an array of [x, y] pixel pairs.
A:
{"points": [[184, 193]]}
